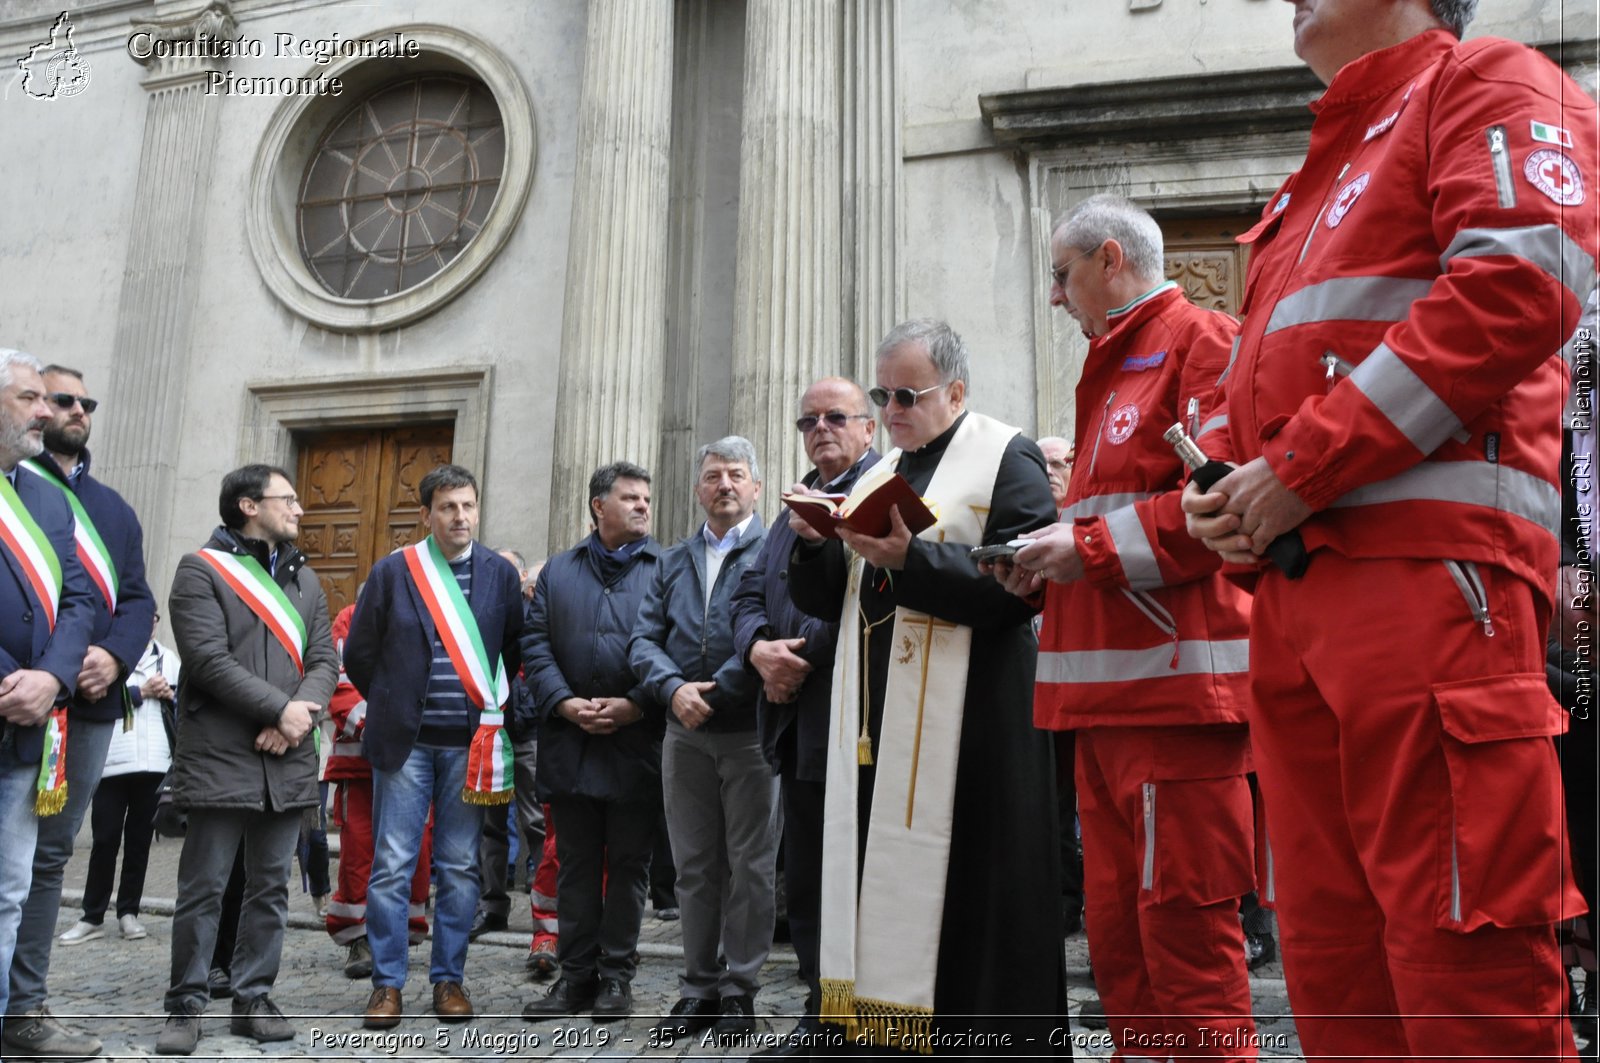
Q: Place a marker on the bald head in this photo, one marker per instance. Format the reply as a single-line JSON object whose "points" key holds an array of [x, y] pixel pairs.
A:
{"points": [[840, 425]]}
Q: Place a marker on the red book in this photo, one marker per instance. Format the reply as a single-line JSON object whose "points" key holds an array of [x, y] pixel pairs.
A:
{"points": [[868, 514]]}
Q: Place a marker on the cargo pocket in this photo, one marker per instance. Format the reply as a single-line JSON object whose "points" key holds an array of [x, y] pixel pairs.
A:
{"points": [[1502, 858]]}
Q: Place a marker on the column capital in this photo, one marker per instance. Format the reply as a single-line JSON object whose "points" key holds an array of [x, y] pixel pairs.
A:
{"points": [[183, 47]]}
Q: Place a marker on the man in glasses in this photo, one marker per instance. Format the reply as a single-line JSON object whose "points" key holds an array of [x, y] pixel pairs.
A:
{"points": [[1143, 654], [251, 627], [111, 548], [940, 891], [48, 610], [793, 654]]}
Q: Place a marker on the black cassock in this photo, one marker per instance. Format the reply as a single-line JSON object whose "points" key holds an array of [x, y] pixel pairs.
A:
{"points": [[1001, 966]]}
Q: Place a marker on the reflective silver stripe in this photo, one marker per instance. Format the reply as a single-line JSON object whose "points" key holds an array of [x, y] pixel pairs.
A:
{"points": [[1455, 874], [416, 911], [539, 900], [1545, 246], [1233, 356], [347, 749], [1213, 424], [352, 720], [1100, 505], [347, 910], [1148, 881], [1195, 657], [1270, 895], [1348, 299], [1405, 399], [1133, 549], [1473, 483]]}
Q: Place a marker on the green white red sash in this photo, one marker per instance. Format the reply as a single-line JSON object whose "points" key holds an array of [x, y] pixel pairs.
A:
{"points": [[27, 543], [266, 599], [483, 678], [91, 548]]}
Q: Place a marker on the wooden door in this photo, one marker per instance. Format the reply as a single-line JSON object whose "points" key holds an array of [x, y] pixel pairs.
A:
{"points": [[359, 490], [1202, 257]]}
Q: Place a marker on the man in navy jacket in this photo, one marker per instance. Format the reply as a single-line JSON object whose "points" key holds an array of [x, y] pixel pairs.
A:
{"points": [[120, 634], [39, 660], [421, 719]]}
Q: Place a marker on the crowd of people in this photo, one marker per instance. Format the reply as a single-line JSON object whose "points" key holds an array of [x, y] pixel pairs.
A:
{"points": [[1326, 651]]}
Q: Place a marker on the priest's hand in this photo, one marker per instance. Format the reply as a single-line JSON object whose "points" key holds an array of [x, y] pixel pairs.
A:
{"points": [[781, 669], [689, 704], [1053, 554], [1022, 582], [99, 671], [888, 552], [27, 695]]}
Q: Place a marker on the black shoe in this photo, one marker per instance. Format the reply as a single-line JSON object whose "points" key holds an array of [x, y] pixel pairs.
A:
{"points": [[565, 998], [259, 1018], [1092, 1015], [615, 1000], [219, 984], [736, 1016], [669, 914], [689, 1015], [358, 962], [797, 1044], [180, 1035], [1259, 950], [484, 922]]}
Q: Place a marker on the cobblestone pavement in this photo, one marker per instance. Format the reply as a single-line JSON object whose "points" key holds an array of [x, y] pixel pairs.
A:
{"points": [[113, 988]]}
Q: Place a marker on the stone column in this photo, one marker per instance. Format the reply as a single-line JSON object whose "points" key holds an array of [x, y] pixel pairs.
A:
{"points": [[156, 311], [786, 318], [874, 284], [613, 319]]}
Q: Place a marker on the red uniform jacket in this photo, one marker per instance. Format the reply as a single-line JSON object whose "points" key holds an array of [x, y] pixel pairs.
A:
{"points": [[1410, 289], [349, 712], [1152, 635]]}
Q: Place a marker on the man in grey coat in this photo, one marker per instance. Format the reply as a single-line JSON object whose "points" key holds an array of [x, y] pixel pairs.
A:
{"points": [[251, 625]]}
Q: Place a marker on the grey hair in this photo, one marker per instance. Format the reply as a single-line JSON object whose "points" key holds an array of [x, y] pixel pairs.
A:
{"points": [[730, 448], [1053, 439], [1108, 216], [945, 347], [10, 356], [1455, 14], [521, 562]]}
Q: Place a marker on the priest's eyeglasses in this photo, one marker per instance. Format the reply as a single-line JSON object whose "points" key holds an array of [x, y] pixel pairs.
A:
{"points": [[906, 397]]}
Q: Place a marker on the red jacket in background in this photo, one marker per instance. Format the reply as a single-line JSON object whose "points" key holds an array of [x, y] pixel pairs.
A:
{"points": [[348, 710]]}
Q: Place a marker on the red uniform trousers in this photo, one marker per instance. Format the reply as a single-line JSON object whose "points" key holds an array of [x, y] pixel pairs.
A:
{"points": [[347, 911], [542, 890], [1167, 854], [1414, 811]]}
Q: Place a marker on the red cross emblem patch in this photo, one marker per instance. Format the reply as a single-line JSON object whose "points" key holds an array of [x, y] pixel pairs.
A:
{"points": [[1124, 419], [1557, 176], [1346, 199]]}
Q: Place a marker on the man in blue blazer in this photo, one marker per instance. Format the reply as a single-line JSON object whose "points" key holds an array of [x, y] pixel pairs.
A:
{"points": [[124, 615], [40, 655], [412, 654]]}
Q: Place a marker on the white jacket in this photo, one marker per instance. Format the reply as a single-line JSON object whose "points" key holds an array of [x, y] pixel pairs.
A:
{"points": [[145, 747]]}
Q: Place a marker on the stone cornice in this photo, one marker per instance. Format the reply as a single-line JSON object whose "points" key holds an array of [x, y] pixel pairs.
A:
{"points": [[1188, 107], [186, 46]]}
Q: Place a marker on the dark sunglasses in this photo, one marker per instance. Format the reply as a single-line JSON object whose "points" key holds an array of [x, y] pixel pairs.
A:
{"points": [[66, 401], [835, 419], [906, 397]]}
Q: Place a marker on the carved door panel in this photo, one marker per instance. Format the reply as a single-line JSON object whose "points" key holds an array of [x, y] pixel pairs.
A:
{"points": [[1202, 257], [359, 490]]}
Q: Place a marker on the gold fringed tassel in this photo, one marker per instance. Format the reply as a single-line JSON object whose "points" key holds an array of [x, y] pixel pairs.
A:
{"points": [[897, 1026], [478, 797], [838, 1005], [50, 802], [864, 747]]}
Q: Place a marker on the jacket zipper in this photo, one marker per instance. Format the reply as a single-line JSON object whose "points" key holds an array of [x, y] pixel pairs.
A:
{"points": [[1158, 615], [1465, 573], [1500, 159], [1455, 875], [1148, 880], [1193, 412], [1105, 412], [1321, 211]]}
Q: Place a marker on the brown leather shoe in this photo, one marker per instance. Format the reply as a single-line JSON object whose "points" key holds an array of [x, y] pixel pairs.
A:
{"points": [[450, 1002], [383, 1009]]}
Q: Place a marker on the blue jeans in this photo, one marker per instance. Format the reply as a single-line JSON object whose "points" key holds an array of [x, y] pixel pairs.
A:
{"points": [[19, 829], [400, 801]]}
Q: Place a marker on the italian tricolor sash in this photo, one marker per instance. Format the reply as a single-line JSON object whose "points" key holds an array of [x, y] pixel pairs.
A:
{"points": [[245, 576], [28, 544], [91, 548], [482, 677]]}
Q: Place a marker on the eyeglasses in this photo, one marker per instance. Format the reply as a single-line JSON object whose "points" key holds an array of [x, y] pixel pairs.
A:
{"points": [[1059, 273], [67, 401], [904, 396], [290, 500], [835, 419]]}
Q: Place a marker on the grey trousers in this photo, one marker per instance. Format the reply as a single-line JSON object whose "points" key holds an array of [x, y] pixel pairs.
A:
{"points": [[214, 837], [722, 818], [87, 742], [494, 846]]}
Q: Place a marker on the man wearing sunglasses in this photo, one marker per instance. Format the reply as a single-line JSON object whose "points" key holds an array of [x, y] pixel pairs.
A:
{"points": [[793, 654], [111, 546], [940, 794]]}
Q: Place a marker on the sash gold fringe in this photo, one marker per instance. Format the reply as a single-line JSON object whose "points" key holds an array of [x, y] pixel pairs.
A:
{"points": [[50, 802], [838, 1005], [877, 1022], [477, 797]]}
